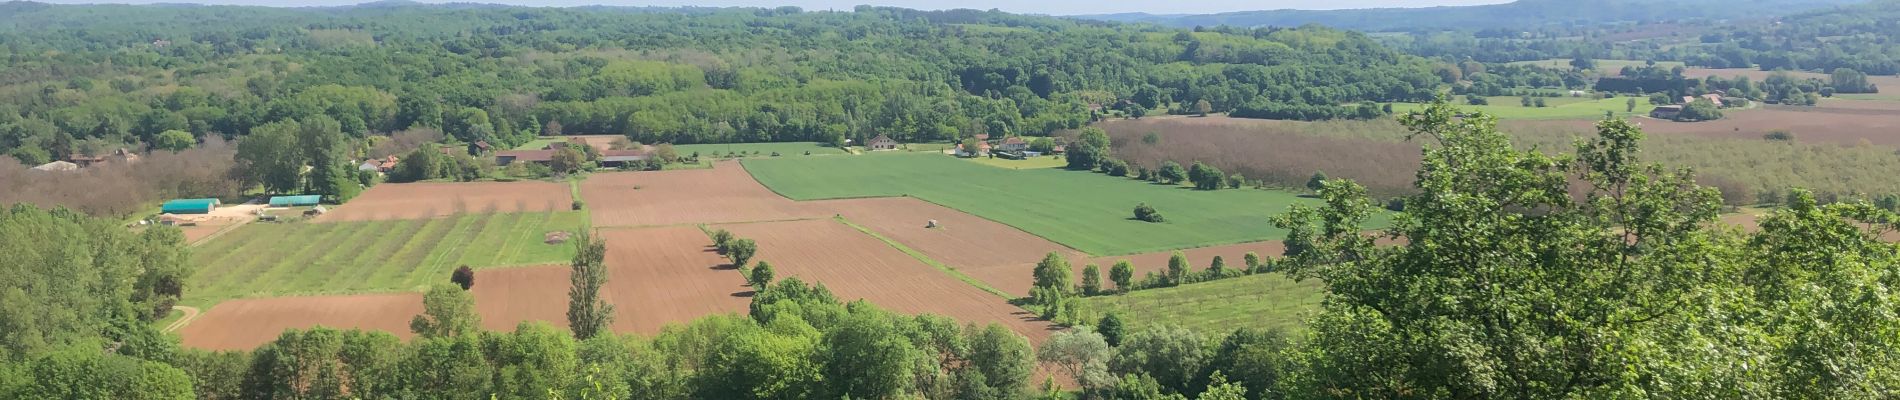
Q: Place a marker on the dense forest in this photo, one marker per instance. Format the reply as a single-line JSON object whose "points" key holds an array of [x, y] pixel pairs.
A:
{"points": [[1516, 15], [81, 79]]}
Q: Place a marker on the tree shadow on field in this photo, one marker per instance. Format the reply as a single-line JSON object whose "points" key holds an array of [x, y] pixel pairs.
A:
{"points": [[725, 267], [745, 293]]}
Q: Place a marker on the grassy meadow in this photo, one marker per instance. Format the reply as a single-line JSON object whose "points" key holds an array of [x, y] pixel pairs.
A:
{"points": [[1029, 163], [1511, 107], [276, 259], [1086, 211], [1265, 301]]}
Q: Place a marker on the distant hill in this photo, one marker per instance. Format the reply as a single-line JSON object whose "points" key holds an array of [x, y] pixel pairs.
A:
{"points": [[1519, 14]]}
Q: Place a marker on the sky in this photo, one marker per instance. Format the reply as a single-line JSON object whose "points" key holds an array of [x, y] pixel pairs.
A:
{"points": [[1052, 7]]}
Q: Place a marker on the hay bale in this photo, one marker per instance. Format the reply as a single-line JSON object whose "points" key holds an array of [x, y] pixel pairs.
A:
{"points": [[557, 237]]}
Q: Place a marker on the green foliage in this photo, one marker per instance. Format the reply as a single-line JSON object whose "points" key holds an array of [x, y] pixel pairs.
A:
{"points": [[322, 363], [1174, 356], [1147, 213], [1177, 269], [588, 314], [1053, 272], [761, 275], [174, 140], [1123, 274], [1699, 110], [447, 310], [83, 372], [1317, 181], [741, 251], [75, 280], [1095, 212], [1089, 150], [1205, 177], [1091, 280], [1171, 173]]}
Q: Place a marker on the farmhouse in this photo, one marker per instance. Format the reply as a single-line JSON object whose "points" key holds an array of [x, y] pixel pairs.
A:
{"points": [[294, 201], [370, 166], [57, 166], [388, 164], [982, 149], [1665, 112], [1712, 98], [503, 158], [115, 155], [881, 142], [189, 206], [1013, 144], [622, 158]]}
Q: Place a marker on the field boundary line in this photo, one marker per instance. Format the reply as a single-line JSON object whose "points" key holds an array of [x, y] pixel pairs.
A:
{"points": [[913, 253]]}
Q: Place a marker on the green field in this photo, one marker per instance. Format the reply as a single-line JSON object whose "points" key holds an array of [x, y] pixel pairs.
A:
{"points": [[1511, 107], [1868, 96], [1087, 211], [1607, 66], [1265, 301], [764, 149], [276, 259]]}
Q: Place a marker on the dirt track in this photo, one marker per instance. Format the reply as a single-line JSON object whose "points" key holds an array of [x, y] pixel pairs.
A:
{"points": [[248, 323], [854, 265], [722, 194], [656, 276], [430, 200]]}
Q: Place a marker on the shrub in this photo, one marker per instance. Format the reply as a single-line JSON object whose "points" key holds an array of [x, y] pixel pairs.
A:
{"points": [[1147, 213], [463, 277], [1779, 135]]}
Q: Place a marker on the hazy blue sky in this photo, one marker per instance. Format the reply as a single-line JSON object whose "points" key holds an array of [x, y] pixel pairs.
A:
{"points": [[1059, 7]]}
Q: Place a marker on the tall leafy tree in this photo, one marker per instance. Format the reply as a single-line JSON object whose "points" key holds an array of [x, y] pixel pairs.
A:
{"points": [[588, 315], [447, 310]]}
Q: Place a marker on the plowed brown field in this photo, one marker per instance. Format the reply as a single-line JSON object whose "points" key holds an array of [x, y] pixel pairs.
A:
{"points": [[655, 277], [722, 194], [854, 265], [248, 323], [964, 241], [430, 200]]}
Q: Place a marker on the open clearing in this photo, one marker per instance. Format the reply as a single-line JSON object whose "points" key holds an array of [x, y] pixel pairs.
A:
{"points": [[655, 277], [275, 259], [1262, 301], [1086, 211], [986, 250], [1511, 107], [722, 194], [429, 200], [854, 265], [248, 323], [1844, 122]]}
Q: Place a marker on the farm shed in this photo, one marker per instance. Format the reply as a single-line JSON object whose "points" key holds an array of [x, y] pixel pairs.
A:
{"points": [[189, 206], [293, 201]]}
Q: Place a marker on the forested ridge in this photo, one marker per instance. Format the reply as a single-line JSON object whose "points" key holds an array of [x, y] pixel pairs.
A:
{"points": [[79, 78], [1519, 14]]}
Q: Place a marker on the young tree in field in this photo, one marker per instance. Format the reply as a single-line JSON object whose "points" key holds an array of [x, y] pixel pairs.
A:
{"points": [[1089, 149], [1252, 260], [587, 314], [1203, 107], [447, 311], [173, 140], [1075, 351], [761, 275], [567, 160], [1112, 329], [1206, 177], [1172, 173], [1053, 272], [721, 238], [463, 277], [1091, 280], [1146, 213], [1317, 181], [665, 153], [741, 251], [1177, 268], [1218, 269], [1004, 358], [1629, 105], [1123, 274], [1137, 111]]}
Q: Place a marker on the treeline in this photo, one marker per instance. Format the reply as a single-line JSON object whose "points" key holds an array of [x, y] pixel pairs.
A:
{"points": [[505, 74]]}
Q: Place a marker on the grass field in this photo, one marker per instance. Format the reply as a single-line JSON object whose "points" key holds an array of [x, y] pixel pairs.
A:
{"points": [[1265, 301], [266, 259], [1607, 66], [1511, 107], [1030, 163], [764, 149], [1086, 211]]}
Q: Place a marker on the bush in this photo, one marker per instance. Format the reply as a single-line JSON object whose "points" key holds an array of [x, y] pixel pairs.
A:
{"points": [[463, 277], [1148, 213], [1779, 135], [578, 204]]}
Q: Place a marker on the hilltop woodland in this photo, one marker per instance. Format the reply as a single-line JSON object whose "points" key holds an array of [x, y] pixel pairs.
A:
{"points": [[1854, 37], [84, 79], [1515, 274]]}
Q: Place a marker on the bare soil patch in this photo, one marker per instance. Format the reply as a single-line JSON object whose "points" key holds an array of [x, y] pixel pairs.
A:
{"points": [[655, 277], [854, 265], [1843, 122], [248, 323], [722, 194], [960, 240], [431, 200]]}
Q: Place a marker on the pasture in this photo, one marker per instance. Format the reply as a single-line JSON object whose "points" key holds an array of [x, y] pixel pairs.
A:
{"points": [[1512, 108], [1262, 301], [1085, 211], [280, 259]]}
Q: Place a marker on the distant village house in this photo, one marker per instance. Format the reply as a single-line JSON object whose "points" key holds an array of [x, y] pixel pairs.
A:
{"points": [[881, 142]]}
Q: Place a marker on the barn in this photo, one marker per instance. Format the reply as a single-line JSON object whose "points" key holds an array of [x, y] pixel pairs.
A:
{"points": [[189, 206], [294, 201]]}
